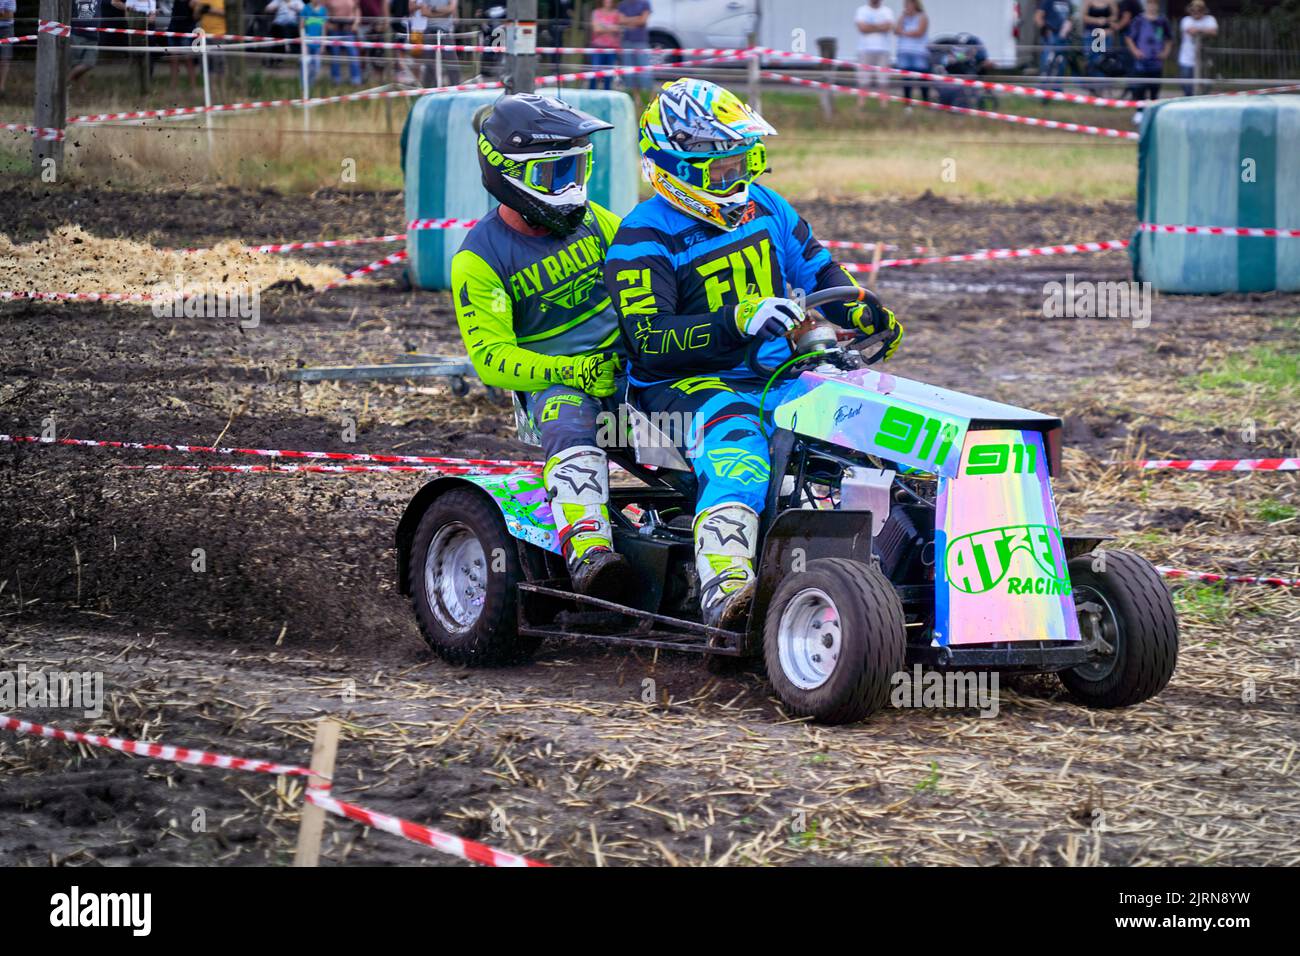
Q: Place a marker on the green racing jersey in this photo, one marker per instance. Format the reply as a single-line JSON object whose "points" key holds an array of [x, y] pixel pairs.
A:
{"points": [[525, 304]]}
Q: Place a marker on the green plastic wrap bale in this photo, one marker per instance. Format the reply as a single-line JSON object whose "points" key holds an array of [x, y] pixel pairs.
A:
{"points": [[441, 171], [1219, 161]]}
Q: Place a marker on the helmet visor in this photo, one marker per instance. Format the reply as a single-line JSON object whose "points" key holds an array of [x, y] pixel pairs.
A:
{"points": [[555, 174]]}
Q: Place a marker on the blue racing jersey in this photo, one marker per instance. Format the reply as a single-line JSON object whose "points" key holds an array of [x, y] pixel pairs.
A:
{"points": [[676, 281]]}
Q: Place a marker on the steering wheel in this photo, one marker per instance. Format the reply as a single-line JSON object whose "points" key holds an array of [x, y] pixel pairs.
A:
{"points": [[809, 340]]}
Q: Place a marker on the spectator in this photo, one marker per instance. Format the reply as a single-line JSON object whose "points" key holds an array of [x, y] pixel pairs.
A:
{"points": [[85, 44], [875, 22], [913, 50], [284, 23], [554, 17], [345, 17], [1150, 39], [605, 31], [8, 8], [211, 15], [633, 17], [399, 24], [374, 26], [1198, 23], [140, 15], [1055, 22], [442, 24], [314, 17], [1098, 19], [1126, 11]]}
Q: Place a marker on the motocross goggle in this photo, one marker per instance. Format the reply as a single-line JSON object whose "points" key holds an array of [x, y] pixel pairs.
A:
{"points": [[553, 173], [719, 173]]}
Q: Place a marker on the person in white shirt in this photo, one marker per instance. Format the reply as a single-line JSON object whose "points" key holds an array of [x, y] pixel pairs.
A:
{"points": [[875, 23], [1198, 23]]}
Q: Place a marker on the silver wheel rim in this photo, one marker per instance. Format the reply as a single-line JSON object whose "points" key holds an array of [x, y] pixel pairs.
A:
{"points": [[1105, 625], [455, 577], [808, 639]]}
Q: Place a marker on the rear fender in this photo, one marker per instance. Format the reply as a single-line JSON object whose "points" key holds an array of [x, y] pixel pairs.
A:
{"points": [[521, 498], [796, 536]]}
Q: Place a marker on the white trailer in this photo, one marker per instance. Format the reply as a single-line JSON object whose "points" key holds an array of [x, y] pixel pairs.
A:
{"points": [[798, 24]]}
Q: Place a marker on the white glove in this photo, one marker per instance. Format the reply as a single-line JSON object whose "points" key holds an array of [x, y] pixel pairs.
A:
{"points": [[768, 318]]}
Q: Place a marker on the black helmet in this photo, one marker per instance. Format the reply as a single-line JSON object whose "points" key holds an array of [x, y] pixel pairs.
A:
{"points": [[536, 157]]}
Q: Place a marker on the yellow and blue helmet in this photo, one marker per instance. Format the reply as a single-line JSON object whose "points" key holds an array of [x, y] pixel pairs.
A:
{"points": [[701, 147]]}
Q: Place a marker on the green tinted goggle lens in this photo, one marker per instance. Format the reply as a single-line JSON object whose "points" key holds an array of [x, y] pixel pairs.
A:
{"points": [[721, 174]]}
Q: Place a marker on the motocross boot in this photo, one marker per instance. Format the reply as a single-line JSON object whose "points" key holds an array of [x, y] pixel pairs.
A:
{"points": [[577, 482], [726, 537]]}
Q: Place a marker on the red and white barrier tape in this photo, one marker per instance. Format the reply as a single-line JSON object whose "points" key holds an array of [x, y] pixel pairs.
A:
{"points": [[1062, 250], [418, 833], [6, 294], [315, 244], [1221, 464], [356, 97], [367, 270], [417, 224], [1222, 230], [1211, 578], [867, 246], [269, 104], [156, 751], [427, 470], [320, 796], [276, 452], [54, 27], [40, 132], [31, 36], [964, 110], [1014, 88]]}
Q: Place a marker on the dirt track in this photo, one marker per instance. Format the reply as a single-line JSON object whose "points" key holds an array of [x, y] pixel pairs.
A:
{"points": [[298, 600]]}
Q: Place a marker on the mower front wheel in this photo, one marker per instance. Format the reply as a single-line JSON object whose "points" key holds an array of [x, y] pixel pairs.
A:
{"points": [[1122, 600], [832, 640]]}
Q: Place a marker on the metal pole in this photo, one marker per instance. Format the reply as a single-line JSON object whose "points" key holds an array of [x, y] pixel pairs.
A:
{"points": [[521, 46], [51, 87], [306, 77], [202, 41]]}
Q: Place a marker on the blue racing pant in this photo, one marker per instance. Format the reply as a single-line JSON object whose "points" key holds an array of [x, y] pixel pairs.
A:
{"points": [[715, 424]]}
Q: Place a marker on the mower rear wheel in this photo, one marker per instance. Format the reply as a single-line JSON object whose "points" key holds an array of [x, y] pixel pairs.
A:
{"points": [[464, 574], [1123, 599], [832, 640]]}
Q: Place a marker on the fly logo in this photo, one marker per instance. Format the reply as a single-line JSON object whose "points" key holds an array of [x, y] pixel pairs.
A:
{"points": [[978, 562], [74, 909], [574, 292], [744, 272]]}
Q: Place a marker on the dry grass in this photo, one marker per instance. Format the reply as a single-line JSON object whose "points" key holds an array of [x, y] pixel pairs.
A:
{"points": [[87, 263], [874, 151]]}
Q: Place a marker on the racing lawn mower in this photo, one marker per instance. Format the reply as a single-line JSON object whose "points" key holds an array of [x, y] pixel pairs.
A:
{"points": [[905, 524]]}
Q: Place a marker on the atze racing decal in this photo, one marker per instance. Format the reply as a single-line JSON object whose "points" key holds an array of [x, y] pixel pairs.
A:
{"points": [[978, 562]]}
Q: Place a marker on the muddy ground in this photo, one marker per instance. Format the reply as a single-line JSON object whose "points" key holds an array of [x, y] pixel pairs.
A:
{"points": [[576, 758]]}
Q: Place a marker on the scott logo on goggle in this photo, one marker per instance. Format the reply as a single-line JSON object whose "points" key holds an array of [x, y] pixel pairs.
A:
{"points": [[978, 562]]}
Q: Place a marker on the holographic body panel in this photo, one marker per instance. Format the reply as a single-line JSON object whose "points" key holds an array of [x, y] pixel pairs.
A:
{"points": [[1000, 569]]}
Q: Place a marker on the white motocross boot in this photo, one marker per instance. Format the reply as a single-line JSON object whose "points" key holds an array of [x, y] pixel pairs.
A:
{"points": [[726, 539], [577, 482]]}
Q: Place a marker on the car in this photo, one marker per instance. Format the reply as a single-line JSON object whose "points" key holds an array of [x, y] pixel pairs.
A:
{"points": [[905, 524]]}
